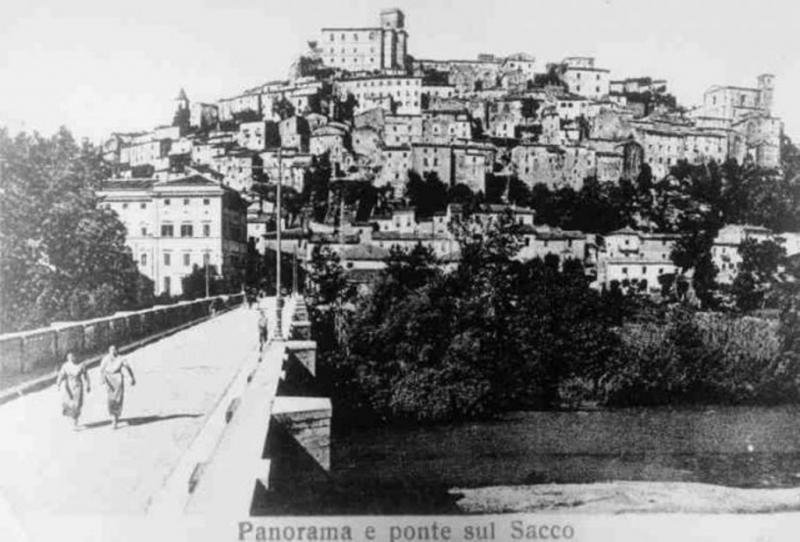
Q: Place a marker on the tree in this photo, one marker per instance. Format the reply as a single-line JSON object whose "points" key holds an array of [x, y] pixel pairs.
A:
{"points": [[428, 195], [283, 108], [253, 266], [461, 194], [344, 109], [326, 276], [316, 186], [194, 284], [518, 192], [64, 255], [758, 273]]}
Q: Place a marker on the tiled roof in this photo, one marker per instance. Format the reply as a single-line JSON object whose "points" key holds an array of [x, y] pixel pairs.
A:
{"points": [[190, 180], [403, 236], [363, 252], [127, 184]]}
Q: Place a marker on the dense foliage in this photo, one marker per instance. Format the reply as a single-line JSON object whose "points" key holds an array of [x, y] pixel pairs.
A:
{"points": [[495, 334], [63, 256]]}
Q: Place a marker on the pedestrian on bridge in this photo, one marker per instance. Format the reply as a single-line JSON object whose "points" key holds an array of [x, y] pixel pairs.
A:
{"points": [[111, 372], [263, 325], [73, 375]]}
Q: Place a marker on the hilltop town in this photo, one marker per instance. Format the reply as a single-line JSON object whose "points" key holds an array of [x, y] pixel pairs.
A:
{"points": [[360, 117]]}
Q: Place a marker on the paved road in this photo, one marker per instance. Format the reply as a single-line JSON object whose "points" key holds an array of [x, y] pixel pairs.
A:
{"points": [[45, 466]]}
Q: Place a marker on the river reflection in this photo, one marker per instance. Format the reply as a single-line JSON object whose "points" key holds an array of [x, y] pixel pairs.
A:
{"points": [[732, 446]]}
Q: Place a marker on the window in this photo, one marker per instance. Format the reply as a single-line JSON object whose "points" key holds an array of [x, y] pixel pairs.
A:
{"points": [[166, 230], [186, 230], [166, 285], [142, 206], [124, 205], [644, 270], [186, 259], [624, 270], [144, 231], [166, 201], [143, 259], [206, 230], [186, 202], [167, 258]]}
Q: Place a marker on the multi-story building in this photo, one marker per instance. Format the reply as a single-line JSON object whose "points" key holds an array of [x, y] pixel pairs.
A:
{"points": [[396, 93], [725, 251], [294, 133], [402, 129], [289, 165], [395, 162], [541, 241], [239, 168], [203, 115], [442, 126], [367, 49], [635, 259], [243, 103], [583, 78], [732, 102], [173, 226], [258, 135], [154, 153]]}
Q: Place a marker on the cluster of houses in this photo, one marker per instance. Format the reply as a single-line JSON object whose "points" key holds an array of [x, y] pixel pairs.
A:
{"points": [[376, 112], [634, 260]]}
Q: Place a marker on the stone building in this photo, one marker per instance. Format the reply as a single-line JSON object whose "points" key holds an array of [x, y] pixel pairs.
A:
{"points": [[243, 103], [402, 130], [367, 49], [258, 135], [442, 126], [583, 78], [175, 225], [395, 162], [635, 259], [399, 94], [239, 168]]}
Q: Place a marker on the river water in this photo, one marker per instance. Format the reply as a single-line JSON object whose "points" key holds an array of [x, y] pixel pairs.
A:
{"points": [[410, 470]]}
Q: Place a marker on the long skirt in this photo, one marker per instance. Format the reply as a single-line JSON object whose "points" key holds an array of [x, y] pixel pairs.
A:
{"points": [[72, 398], [115, 385]]}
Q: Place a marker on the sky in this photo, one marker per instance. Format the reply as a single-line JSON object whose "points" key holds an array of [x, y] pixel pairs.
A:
{"points": [[97, 66]]}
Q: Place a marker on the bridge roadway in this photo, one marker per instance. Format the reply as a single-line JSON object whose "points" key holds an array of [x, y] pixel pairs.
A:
{"points": [[47, 467]]}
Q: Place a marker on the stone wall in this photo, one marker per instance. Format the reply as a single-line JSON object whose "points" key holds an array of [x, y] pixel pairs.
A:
{"points": [[31, 351]]}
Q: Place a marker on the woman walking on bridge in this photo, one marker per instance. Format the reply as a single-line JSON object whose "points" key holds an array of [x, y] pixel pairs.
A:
{"points": [[111, 372], [73, 375]]}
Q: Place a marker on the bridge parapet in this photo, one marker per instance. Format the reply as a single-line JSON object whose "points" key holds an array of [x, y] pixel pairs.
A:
{"points": [[26, 355], [237, 463]]}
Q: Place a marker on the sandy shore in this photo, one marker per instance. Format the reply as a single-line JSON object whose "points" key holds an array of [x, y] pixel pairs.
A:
{"points": [[626, 497]]}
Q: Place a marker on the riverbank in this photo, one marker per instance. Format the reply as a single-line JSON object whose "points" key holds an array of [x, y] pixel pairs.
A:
{"points": [[626, 497]]}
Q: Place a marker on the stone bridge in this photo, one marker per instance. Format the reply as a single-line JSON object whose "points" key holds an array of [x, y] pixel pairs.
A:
{"points": [[196, 429]]}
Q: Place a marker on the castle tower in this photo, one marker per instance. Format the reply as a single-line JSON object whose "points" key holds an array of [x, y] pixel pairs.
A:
{"points": [[182, 102], [766, 86], [392, 19], [395, 38]]}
